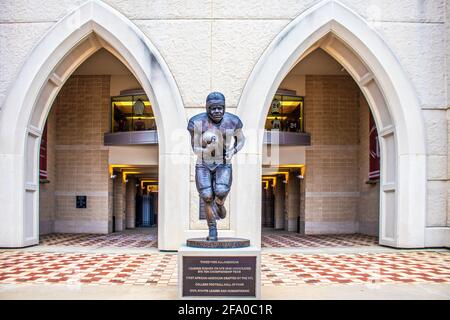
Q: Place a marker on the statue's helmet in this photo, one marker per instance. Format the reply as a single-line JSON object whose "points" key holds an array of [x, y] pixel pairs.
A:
{"points": [[215, 98]]}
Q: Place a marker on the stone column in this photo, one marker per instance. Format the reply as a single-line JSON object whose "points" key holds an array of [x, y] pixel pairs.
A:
{"points": [[293, 202], [263, 207], [302, 206], [119, 203], [279, 204], [130, 211], [270, 207]]}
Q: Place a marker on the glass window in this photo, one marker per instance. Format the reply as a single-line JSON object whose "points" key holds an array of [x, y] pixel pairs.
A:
{"points": [[132, 113], [286, 113]]}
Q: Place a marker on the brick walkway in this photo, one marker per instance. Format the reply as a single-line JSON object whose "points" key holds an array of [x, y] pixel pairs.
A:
{"points": [[270, 239], [160, 269], [137, 240], [405, 267], [281, 239], [81, 268]]}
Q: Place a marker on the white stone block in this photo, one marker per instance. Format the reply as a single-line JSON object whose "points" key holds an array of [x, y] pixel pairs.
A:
{"points": [[52, 10], [17, 41], [436, 132], [436, 204], [378, 10], [437, 167], [36, 11], [186, 47], [163, 9], [256, 9], [401, 11], [437, 237], [236, 47], [420, 49]]}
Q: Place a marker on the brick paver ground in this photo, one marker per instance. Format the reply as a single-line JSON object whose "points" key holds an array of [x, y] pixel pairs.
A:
{"points": [[270, 239], [160, 269]]}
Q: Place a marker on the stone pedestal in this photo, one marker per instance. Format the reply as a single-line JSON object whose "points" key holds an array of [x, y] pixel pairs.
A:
{"points": [[219, 273]]}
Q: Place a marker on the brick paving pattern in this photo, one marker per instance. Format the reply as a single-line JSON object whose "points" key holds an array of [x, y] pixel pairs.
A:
{"points": [[294, 240], [409, 267], [138, 240], [160, 269], [80, 268], [269, 240]]}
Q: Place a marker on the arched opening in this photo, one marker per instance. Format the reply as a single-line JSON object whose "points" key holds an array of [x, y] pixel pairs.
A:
{"points": [[92, 180], [324, 190], [348, 39], [65, 47]]}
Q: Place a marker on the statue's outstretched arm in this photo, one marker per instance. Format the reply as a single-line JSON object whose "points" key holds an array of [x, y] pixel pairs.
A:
{"points": [[240, 140], [238, 144]]}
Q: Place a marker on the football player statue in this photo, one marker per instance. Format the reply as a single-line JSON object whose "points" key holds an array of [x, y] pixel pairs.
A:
{"points": [[215, 137]]}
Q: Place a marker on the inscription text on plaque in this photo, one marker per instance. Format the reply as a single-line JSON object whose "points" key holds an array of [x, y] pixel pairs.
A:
{"points": [[219, 276]]}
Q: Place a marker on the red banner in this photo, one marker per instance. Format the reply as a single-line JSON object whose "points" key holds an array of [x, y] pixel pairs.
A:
{"points": [[43, 174], [374, 151]]}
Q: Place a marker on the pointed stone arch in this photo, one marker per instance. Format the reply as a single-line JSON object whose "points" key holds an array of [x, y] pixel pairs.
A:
{"points": [[69, 43], [392, 99]]}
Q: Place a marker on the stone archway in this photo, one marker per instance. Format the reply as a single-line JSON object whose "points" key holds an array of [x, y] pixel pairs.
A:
{"points": [[353, 43], [69, 43]]}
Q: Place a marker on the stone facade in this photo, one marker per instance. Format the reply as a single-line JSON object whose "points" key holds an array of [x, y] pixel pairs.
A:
{"points": [[216, 45]]}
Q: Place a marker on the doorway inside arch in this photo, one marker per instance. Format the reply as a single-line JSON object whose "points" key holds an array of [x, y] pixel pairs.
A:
{"points": [[321, 169], [99, 160]]}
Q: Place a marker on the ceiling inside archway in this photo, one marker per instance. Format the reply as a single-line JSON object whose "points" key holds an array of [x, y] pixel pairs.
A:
{"points": [[102, 63], [318, 62]]}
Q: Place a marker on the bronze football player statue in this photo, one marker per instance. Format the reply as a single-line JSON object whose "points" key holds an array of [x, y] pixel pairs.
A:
{"points": [[216, 136]]}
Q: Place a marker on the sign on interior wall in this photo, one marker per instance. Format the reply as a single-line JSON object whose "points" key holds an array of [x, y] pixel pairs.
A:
{"points": [[374, 150], [81, 202]]}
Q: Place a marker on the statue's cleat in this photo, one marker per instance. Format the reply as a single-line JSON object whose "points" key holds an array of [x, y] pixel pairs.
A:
{"points": [[212, 235]]}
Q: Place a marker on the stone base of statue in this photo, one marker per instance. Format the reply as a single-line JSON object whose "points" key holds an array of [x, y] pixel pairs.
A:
{"points": [[228, 268], [221, 243]]}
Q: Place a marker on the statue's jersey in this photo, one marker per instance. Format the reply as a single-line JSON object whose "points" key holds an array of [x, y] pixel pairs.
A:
{"points": [[224, 131]]}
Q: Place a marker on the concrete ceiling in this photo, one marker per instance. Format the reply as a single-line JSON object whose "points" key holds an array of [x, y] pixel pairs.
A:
{"points": [[102, 63], [318, 62]]}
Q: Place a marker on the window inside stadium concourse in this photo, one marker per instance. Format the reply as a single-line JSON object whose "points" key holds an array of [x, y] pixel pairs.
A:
{"points": [[320, 171], [286, 112], [132, 112]]}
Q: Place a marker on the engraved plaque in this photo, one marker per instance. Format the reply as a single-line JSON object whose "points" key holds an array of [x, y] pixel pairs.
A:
{"points": [[219, 276]]}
